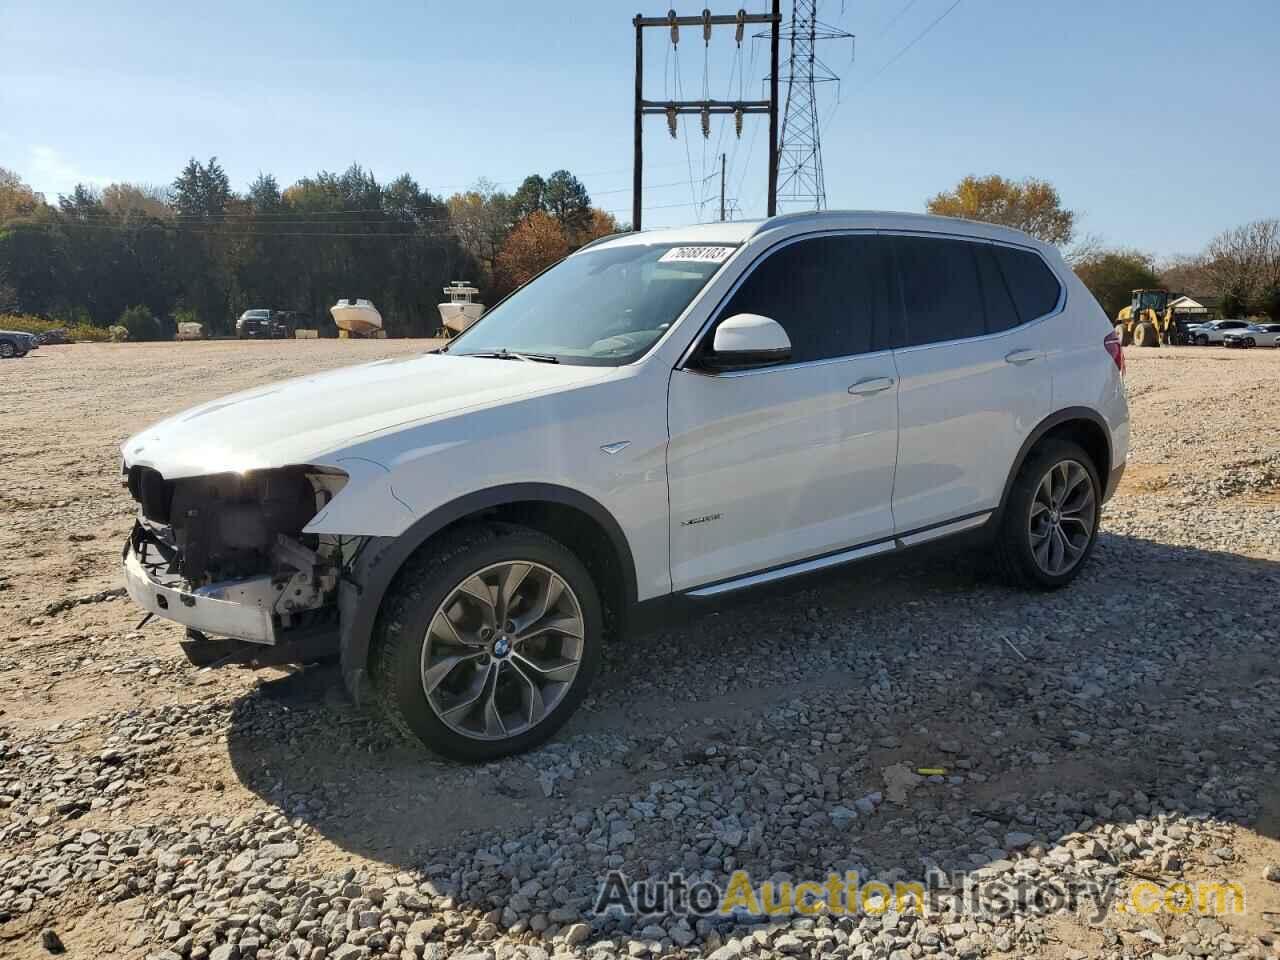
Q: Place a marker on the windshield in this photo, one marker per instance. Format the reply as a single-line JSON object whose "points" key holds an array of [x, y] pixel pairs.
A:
{"points": [[1154, 299], [256, 314], [605, 306]]}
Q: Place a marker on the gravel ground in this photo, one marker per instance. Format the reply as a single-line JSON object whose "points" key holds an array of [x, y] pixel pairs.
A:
{"points": [[1123, 731]]}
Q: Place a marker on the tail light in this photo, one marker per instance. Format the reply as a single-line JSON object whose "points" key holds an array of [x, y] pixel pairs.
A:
{"points": [[1112, 344]]}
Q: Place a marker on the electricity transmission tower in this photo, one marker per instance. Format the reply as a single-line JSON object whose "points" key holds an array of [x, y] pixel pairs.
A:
{"points": [[800, 180]]}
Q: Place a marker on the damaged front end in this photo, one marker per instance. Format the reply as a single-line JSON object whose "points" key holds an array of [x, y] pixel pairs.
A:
{"points": [[226, 556]]}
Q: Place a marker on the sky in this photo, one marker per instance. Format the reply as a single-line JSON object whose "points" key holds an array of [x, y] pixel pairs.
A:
{"points": [[1155, 119]]}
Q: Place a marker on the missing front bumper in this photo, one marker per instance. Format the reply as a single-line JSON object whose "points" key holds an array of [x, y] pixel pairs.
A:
{"points": [[235, 608]]}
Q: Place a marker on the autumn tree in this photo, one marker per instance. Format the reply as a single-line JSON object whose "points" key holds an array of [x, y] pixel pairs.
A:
{"points": [[537, 242], [602, 224], [128, 201], [16, 198], [1030, 205], [482, 218], [1112, 275]]}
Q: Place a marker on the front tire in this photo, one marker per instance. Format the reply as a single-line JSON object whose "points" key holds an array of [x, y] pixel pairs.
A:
{"points": [[1202, 340], [487, 641], [1050, 520], [7, 350]]}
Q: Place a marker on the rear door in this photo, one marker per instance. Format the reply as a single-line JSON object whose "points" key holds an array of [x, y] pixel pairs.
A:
{"points": [[779, 464], [974, 373]]}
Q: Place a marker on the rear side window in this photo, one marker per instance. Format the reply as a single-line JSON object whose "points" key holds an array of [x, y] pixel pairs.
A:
{"points": [[828, 293], [1034, 288], [941, 293]]}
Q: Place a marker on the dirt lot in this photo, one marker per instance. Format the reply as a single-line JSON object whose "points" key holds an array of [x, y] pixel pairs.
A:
{"points": [[1124, 731]]}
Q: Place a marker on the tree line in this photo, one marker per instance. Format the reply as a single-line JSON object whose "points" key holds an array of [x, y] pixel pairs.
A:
{"points": [[1239, 268], [196, 249]]}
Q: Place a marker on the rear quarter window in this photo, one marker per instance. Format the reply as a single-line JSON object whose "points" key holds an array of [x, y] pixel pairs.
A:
{"points": [[1033, 286]]}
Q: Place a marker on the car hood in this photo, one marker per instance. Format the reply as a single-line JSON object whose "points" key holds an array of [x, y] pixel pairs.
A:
{"points": [[305, 421]]}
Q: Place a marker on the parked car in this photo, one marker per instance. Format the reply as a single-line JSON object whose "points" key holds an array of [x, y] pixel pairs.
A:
{"points": [[16, 343], [53, 337], [262, 324], [1215, 331], [1254, 335], [676, 415]]}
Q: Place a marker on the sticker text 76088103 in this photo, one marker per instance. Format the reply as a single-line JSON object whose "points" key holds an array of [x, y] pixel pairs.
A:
{"points": [[696, 255]]}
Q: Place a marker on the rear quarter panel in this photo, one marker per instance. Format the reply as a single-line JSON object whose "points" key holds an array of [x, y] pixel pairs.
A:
{"points": [[1084, 375]]}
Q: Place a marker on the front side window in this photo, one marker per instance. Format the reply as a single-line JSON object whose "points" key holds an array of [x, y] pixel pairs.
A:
{"points": [[606, 306], [827, 293]]}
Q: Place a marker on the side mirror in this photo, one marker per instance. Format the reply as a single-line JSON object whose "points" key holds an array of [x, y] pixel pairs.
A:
{"points": [[747, 340]]}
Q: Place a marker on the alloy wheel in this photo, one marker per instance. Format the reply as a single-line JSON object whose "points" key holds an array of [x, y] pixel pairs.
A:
{"points": [[1063, 514], [502, 650], [6, 349]]}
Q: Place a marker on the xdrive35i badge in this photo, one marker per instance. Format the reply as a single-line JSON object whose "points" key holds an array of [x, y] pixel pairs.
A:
{"points": [[692, 521]]}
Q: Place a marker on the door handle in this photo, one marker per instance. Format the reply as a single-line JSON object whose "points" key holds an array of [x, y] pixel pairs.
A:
{"points": [[872, 385], [1019, 357]]}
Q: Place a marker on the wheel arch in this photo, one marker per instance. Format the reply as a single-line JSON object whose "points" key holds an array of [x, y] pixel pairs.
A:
{"points": [[577, 520], [1079, 424]]}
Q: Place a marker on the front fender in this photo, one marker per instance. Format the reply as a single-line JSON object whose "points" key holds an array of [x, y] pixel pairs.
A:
{"points": [[362, 590]]}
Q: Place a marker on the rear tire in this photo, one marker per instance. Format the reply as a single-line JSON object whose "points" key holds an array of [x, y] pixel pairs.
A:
{"points": [[473, 653], [1026, 543]]}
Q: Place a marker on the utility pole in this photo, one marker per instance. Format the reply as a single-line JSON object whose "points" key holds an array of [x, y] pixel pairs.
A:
{"points": [[722, 188], [776, 16], [705, 108], [800, 145], [637, 173]]}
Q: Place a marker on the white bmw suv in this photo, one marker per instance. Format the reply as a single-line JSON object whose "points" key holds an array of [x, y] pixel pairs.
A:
{"points": [[677, 413]]}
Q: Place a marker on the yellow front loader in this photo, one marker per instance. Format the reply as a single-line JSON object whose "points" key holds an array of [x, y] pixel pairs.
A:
{"points": [[1149, 321]]}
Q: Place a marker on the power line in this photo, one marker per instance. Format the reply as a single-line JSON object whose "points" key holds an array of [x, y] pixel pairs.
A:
{"points": [[918, 37], [897, 56], [895, 18]]}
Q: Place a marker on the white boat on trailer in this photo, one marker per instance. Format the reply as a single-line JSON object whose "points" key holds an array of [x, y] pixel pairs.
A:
{"points": [[461, 311], [359, 318]]}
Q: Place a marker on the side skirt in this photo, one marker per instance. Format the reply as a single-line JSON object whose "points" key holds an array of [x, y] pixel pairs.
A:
{"points": [[890, 545]]}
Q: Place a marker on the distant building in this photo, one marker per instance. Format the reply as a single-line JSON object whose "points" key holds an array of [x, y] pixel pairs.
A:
{"points": [[1205, 305]]}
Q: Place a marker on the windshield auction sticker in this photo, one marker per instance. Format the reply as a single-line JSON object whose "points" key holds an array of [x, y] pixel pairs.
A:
{"points": [[696, 255]]}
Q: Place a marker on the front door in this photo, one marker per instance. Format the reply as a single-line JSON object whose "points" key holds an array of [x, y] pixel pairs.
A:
{"points": [[775, 465]]}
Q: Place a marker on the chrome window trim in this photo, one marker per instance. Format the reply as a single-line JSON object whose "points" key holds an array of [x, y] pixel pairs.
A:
{"points": [[779, 367], [714, 316]]}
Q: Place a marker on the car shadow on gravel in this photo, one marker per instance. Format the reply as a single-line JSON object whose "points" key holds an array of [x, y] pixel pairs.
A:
{"points": [[1140, 689]]}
